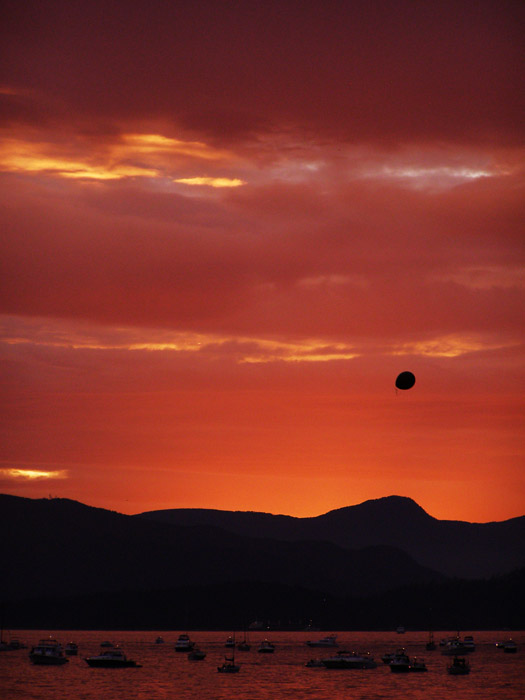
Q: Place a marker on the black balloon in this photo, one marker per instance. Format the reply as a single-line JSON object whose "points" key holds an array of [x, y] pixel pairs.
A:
{"points": [[405, 380]]}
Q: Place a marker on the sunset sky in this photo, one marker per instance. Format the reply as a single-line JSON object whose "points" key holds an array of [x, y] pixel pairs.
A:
{"points": [[228, 226]]}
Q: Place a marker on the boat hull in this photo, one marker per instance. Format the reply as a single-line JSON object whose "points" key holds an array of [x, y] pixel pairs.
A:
{"points": [[349, 664], [42, 660], [112, 663], [400, 668]]}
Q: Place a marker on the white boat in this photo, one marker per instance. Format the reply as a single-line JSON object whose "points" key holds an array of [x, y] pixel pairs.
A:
{"points": [[350, 660], [48, 652], [329, 641], [230, 642], [266, 647], [184, 643], [114, 658]]}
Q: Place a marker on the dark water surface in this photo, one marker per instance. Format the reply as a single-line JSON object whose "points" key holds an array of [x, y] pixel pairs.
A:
{"points": [[167, 675]]}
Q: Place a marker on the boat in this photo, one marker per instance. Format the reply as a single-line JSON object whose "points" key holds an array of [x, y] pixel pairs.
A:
{"points": [[159, 640], [71, 649], [468, 643], [113, 658], [459, 667], [230, 643], [455, 647], [13, 645], [431, 644], [48, 652], [229, 666], [184, 644], [109, 645], [196, 654], [315, 663], [400, 629], [244, 645], [387, 658], [509, 647], [329, 641], [417, 665], [266, 647], [256, 625], [350, 660], [400, 663]]}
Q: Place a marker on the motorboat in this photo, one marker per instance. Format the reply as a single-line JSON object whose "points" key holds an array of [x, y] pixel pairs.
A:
{"points": [[459, 667], [400, 629], [417, 665], [16, 644], [108, 645], [159, 640], [184, 643], [387, 658], [196, 654], [456, 646], [315, 663], [113, 658], [350, 660], [400, 663], [71, 649], [266, 647], [468, 643], [509, 647], [329, 641], [229, 666], [13, 645], [48, 652], [230, 643]]}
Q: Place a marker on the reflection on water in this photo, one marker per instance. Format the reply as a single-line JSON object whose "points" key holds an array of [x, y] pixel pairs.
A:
{"points": [[165, 674]]}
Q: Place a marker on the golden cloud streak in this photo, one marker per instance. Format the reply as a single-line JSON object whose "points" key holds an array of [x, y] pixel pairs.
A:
{"points": [[447, 346], [20, 156], [329, 357], [243, 349], [154, 143], [135, 155], [211, 181], [31, 474]]}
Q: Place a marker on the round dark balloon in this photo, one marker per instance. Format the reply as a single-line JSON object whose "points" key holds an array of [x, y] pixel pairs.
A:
{"points": [[405, 380]]}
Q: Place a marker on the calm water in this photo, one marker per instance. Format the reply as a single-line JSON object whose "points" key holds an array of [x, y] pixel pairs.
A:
{"points": [[168, 675]]}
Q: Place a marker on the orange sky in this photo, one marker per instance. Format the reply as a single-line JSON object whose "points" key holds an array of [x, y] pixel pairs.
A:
{"points": [[228, 226]]}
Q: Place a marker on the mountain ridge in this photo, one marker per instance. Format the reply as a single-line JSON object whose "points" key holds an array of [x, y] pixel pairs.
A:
{"points": [[454, 548], [62, 546]]}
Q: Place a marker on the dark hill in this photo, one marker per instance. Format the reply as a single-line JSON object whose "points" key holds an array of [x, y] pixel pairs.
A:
{"points": [[455, 548], [59, 547]]}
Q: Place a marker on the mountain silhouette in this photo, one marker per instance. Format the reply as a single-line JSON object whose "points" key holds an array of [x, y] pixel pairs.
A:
{"points": [[454, 548], [59, 546]]}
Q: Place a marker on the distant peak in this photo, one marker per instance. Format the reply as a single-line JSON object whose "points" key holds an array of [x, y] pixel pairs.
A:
{"points": [[392, 505]]}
